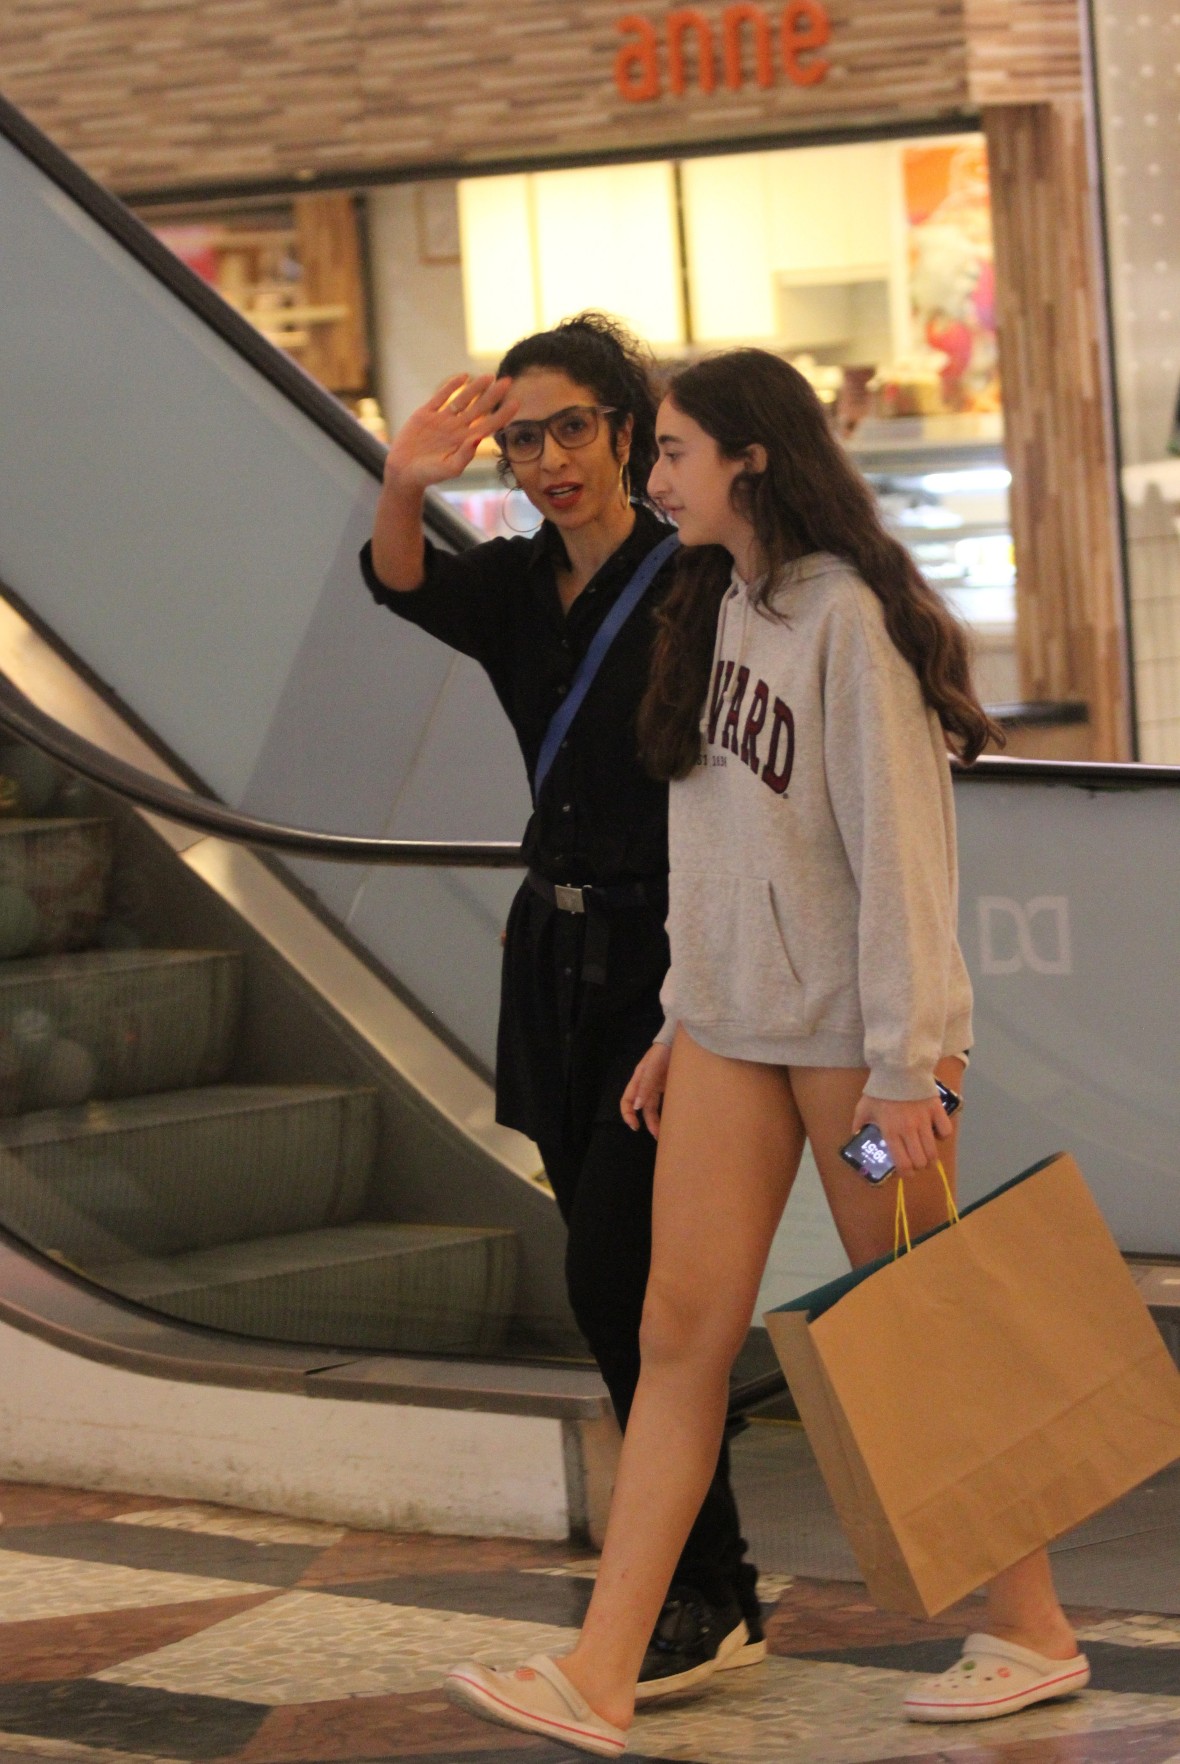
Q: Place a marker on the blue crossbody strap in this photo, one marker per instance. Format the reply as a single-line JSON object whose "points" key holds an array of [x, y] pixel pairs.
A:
{"points": [[593, 659]]}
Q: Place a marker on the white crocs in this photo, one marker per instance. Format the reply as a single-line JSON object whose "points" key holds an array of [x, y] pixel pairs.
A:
{"points": [[995, 1677], [534, 1698]]}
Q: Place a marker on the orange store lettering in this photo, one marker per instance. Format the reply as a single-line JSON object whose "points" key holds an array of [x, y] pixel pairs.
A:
{"points": [[752, 41]]}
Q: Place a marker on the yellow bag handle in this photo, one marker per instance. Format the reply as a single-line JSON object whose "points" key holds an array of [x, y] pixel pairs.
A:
{"points": [[901, 1222]]}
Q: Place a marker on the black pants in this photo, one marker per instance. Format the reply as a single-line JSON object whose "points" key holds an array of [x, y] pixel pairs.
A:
{"points": [[605, 1197], [566, 1050]]}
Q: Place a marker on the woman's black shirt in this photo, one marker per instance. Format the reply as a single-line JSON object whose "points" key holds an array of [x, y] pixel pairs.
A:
{"points": [[566, 1048], [600, 818]]}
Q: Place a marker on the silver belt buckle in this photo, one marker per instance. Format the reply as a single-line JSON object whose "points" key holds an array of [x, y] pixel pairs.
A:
{"points": [[567, 899]]}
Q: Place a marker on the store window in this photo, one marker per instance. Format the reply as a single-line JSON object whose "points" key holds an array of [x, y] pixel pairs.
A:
{"points": [[868, 265], [293, 269]]}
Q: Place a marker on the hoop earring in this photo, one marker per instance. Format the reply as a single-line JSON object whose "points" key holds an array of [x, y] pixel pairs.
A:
{"points": [[625, 481], [504, 507]]}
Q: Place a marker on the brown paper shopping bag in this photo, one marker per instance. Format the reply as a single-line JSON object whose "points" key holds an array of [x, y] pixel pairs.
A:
{"points": [[973, 1399]]}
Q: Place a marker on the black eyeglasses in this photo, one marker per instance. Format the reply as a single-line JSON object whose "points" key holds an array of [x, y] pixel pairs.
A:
{"points": [[575, 426]]}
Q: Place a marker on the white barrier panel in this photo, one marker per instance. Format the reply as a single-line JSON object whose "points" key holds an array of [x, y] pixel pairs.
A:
{"points": [[1069, 918]]}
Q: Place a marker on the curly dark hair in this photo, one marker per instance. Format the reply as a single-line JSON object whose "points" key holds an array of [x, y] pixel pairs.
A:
{"points": [[601, 354], [810, 498]]}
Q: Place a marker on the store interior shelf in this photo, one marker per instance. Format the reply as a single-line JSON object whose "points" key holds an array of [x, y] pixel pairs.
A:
{"points": [[930, 443]]}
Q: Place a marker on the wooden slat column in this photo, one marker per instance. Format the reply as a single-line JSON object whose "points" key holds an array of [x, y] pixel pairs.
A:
{"points": [[1070, 629], [329, 250]]}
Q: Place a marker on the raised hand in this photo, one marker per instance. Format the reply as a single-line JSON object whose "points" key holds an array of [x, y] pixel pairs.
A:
{"points": [[439, 440]]}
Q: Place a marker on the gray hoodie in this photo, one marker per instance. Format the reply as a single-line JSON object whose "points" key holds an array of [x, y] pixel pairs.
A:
{"points": [[813, 871]]}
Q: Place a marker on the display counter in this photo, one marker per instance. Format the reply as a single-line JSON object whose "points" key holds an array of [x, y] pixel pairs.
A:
{"points": [[943, 488]]}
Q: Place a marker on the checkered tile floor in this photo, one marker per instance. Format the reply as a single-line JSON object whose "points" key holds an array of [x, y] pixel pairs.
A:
{"points": [[135, 1630]]}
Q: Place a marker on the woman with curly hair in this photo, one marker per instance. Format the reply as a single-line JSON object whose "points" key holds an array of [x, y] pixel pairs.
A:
{"points": [[573, 413]]}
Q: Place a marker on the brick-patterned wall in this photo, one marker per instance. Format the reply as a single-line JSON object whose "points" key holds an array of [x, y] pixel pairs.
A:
{"points": [[155, 94], [1023, 51], [151, 94]]}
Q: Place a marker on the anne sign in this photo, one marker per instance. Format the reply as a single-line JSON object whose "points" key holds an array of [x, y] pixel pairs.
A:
{"points": [[767, 44]]}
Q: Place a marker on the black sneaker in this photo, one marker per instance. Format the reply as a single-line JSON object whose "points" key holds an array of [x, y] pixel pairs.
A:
{"points": [[746, 1593], [693, 1639]]}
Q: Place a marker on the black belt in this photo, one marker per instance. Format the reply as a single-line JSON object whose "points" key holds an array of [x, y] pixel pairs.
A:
{"points": [[570, 899]]}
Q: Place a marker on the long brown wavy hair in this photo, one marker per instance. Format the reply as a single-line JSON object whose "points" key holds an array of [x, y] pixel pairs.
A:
{"points": [[809, 498]]}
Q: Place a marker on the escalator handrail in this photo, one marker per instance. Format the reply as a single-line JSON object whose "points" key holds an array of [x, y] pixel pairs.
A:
{"points": [[318, 405], [24, 719], [21, 717]]}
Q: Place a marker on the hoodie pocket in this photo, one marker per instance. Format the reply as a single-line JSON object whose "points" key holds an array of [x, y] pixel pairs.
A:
{"points": [[730, 963]]}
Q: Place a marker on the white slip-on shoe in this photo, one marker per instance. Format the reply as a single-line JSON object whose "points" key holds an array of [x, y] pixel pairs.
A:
{"points": [[534, 1698], [994, 1677]]}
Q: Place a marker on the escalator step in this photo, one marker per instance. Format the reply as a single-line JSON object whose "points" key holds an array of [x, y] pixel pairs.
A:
{"points": [[185, 1170], [408, 1288], [54, 880], [115, 1023]]}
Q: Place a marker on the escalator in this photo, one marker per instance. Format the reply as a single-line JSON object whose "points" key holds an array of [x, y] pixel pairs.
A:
{"points": [[189, 1115], [247, 1148], [133, 1151]]}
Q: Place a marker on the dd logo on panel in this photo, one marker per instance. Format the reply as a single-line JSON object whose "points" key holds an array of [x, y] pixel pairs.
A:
{"points": [[1033, 938]]}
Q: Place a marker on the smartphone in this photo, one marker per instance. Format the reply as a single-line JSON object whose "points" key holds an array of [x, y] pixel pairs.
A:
{"points": [[867, 1151]]}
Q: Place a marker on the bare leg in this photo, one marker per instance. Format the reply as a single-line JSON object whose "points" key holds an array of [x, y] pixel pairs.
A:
{"points": [[729, 1150], [1022, 1603]]}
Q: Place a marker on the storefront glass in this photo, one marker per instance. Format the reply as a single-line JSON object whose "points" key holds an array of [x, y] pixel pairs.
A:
{"points": [[294, 269], [868, 265]]}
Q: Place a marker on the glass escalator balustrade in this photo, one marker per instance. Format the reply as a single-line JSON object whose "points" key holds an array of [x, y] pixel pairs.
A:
{"points": [[189, 530], [131, 1152], [182, 518]]}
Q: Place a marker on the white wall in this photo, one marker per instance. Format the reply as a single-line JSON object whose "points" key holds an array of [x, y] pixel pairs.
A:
{"points": [[380, 1466], [417, 304], [540, 246], [806, 215]]}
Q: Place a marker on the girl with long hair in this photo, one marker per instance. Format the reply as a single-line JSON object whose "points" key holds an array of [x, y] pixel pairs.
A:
{"points": [[806, 683], [573, 413]]}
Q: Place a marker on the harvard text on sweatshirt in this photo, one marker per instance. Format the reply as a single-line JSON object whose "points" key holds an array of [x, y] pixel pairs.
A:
{"points": [[813, 892]]}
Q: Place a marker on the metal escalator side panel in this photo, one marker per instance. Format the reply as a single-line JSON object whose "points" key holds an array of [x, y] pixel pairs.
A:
{"points": [[182, 509]]}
